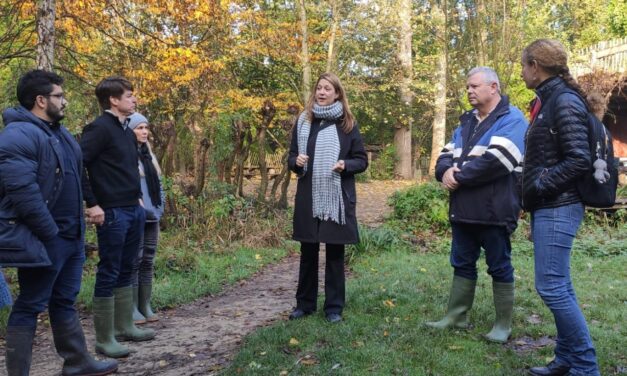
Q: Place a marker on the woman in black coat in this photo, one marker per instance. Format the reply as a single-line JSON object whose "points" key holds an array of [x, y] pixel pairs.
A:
{"points": [[326, 152], [557, 156]]}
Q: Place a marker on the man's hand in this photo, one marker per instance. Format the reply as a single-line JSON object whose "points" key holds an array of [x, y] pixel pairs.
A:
{"points": [[301, 160], [448, 180], [339, 166], [95, 215]]}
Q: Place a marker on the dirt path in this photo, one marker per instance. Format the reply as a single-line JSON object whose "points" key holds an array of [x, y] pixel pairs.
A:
{"points": [[200, 338]]}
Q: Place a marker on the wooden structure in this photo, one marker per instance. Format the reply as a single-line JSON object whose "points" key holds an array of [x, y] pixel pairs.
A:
{"points": [[274, 164], [602, 68]]}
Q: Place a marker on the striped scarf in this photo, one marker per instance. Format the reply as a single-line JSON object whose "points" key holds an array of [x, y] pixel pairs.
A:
{"points": [[326, 186]]}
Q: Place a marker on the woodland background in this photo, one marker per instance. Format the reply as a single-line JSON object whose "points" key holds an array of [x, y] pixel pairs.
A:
{"points": [[222, 81]]}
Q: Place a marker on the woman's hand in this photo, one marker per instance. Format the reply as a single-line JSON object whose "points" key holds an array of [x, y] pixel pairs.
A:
{"points": [[301, 160], [339, 166]]}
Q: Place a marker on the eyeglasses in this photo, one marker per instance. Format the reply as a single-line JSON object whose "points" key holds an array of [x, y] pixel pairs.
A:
{"points": [[58, 96]]}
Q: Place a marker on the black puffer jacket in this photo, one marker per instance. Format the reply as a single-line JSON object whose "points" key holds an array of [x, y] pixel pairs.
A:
{"points": [[557, 150]]}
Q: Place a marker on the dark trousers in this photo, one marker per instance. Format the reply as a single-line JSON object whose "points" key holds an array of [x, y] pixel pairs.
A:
{"points": [[468, 239], [144, 267], [334, 279], [55, 286], [118, 244]]}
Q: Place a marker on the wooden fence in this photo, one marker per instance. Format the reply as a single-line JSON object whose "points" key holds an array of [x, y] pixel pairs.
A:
{"points": [[610, 56]]}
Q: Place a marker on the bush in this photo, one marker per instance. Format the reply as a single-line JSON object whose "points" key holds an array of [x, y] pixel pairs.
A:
{"points": [[421, 208], [382, 168], [374, 240]]}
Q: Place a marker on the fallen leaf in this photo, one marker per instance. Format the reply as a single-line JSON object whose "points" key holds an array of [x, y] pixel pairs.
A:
{"points": [[192, 355], [455, 347], [358, 344], [294, 342], [423, 270], [386, 333], [389, 303], [263, 353], [534, 319], [162, 363], [283, 373], [257, 256], [336, 366]]}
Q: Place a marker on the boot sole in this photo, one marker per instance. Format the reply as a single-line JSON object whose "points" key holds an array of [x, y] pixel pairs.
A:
{"points": [[131, 339], [113, 355], [102, 373]]}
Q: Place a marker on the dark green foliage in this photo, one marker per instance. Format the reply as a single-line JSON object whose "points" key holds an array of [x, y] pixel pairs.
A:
{"points": [[374, 240], [423, 207], [382, 168]]}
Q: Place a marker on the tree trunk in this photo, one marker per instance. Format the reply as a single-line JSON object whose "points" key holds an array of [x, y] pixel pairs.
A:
{"points": [[439, 118], [201, 166], [45, 34], [304, 53], [335, 21], [267, 111], [404, 168]]}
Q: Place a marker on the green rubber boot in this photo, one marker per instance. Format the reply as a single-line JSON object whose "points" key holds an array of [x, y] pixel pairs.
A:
{"points": [[145, 294], [460, 302], [504, 307], [103, 323], [124, 328], [138, 318]]}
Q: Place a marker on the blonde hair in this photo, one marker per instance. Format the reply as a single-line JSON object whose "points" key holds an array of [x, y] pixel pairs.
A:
{"points": [[155, 162], [349, 120], [551, 56]]}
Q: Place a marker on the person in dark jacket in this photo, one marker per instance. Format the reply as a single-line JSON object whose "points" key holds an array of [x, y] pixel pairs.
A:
{"points": [[40, 184], [154, 202], [557, 156], [113, 196], [480, 167], [326, 152]]}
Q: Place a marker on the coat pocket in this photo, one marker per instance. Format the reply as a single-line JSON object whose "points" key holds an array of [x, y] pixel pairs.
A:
{"points": [[19, 247]]}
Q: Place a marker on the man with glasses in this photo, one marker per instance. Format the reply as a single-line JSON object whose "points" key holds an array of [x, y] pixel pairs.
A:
{"points": [[40, 187]]}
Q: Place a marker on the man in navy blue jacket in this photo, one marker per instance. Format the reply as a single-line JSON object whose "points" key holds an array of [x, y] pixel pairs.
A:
{"points": [[40, 185], [480, 167], [113, 195]]}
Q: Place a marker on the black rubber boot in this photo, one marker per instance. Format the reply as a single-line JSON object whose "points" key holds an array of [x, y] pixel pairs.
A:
{"points": [[69, 341], [19, 348]]}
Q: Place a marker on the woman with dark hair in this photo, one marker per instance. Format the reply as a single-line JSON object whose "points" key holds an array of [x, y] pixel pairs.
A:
{"points": [[557, 155], [326, 152]]}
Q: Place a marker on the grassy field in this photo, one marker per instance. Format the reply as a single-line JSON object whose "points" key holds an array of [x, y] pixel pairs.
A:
{"points": [[391, 293]]}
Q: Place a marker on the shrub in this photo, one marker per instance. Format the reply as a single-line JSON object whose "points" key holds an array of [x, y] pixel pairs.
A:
{"points": [[382, 168], [374, 240], [423, 207]]}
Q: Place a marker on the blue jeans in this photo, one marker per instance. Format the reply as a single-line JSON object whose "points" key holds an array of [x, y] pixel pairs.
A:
{"points": [[144, 267], [55, 286], [118, 244], [553, 231], [468, 239]]}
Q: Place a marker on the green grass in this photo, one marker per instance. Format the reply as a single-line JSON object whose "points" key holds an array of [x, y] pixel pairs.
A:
{"points": [[391, 294]]}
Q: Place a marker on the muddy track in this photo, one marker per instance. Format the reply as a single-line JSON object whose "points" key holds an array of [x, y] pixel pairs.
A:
{"points": [[201, 337]]}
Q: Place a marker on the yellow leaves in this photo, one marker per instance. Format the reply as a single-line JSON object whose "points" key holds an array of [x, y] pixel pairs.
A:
{"points": [[294, 342], [389, 303], [257, 256]]}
